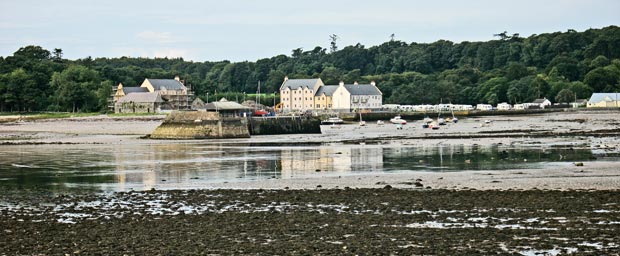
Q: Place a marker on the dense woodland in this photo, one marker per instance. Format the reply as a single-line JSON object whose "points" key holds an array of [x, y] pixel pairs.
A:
{"points": [[560, 66]]}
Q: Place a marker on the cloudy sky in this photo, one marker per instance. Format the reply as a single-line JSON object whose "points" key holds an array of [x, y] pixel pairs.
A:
{"points": [[206, 30]]}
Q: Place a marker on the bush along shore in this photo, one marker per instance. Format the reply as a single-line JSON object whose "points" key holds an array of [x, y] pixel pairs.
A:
{"points": [[335, 221]]}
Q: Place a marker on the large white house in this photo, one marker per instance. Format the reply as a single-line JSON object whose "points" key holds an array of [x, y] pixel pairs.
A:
{"points": [[353, 97]]}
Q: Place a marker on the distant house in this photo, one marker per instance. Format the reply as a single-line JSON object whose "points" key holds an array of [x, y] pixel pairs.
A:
{"points": [[139, 102], [298, 94], [519, 107], [484, 107], [352, 97], [579, 103], [538, 104], [122, 91], [172, 91], [504, 106], [604, 100]]}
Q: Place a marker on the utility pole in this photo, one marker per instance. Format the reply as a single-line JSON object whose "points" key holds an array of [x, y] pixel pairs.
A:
{"points": [[258, 95]]}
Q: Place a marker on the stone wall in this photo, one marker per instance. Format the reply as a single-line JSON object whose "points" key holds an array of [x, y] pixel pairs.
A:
{"points": [[200, 125], [284, 125]]}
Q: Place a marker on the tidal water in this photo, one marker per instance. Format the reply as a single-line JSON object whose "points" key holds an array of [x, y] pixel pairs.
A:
{"points": [[188, 165]]}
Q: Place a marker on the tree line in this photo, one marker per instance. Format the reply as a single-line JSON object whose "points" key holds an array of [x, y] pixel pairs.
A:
{"points": [[559, 66]]}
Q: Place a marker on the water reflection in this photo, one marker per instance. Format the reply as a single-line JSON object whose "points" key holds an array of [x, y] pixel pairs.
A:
{"points": [[142, 167]]}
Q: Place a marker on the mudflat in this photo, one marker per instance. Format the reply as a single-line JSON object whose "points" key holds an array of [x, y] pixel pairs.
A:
{"points": [[568, 208], [335, 221]]}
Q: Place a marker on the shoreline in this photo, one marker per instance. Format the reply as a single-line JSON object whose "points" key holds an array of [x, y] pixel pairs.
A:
{"points": [[560, 208]]}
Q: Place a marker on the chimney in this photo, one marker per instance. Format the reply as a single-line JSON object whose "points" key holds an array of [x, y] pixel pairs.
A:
{"points": [[177, 78], [285, 78], [373, 83], [341, 83], [355, 83]]}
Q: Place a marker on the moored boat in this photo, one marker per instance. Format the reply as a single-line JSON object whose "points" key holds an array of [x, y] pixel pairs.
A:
{"points": [[398, 120], [441, 121], [332, 120]]}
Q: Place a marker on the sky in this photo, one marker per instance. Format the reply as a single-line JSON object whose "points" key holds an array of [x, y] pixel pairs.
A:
{"points": [[235, 30]]}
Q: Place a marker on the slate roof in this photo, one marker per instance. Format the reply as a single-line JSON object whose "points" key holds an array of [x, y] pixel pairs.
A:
{"points": [[223, 104], [598, 97], [327, 89], [169, 84], [295, 84], [539, 101], [142, 97], [362, 89], [128, 90]]}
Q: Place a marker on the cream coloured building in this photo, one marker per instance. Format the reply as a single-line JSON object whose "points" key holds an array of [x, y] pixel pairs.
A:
{"points": [[312, 94], [323, 99], [604, 100], [298, 94]]}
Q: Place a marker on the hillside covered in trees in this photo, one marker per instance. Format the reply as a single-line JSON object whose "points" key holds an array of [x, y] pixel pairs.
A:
{"points": [[560, 66]]}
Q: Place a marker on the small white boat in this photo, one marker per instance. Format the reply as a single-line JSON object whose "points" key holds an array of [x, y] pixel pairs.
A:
{"points": [[427, 120], [441, 121], [398, 120], [332, 120], [433, 125], [380, 122], [455, 120], [362, 122]]}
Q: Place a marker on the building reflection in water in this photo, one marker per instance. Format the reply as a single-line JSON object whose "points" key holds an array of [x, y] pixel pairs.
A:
{"points": [[332, 160], [184, 165]]}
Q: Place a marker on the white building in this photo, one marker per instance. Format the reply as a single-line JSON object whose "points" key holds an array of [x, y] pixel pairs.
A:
{"points": [[352, 97], [504, 106], [484, 107]]}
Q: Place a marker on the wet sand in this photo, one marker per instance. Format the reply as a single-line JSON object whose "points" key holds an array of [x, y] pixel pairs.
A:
{"points": [[599, 128], [561, 209]]}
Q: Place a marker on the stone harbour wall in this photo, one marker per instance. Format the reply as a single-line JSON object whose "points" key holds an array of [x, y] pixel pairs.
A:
{"points": [[283, 125], [201, 125]]}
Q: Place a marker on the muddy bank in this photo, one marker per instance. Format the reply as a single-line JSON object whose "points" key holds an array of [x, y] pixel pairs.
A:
{"points": [[548, 126], [337, 221]]}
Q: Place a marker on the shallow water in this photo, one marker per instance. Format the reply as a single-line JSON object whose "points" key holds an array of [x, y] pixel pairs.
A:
{"points": [[190, 165]]}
